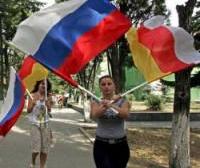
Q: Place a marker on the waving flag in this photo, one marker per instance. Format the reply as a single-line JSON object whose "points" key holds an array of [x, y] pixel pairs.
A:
{"points": [[31, 71], [160, 50], [13, 104], [66, 36]]}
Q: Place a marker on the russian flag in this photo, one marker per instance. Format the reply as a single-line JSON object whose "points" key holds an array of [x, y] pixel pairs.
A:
{"points": [[66, 36], [13, 104]]}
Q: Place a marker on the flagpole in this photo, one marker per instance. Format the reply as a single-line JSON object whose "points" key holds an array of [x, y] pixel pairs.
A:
{"points": [[133, 89], [14, 47], [45, 82], [29, 94], [94, 96], [89, 93]]}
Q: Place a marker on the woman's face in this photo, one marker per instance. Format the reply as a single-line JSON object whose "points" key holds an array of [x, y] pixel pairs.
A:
{"points": [[42, 86], [107, 86]]}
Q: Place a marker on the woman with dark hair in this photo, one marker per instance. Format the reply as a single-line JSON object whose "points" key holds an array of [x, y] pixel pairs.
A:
{"points": [[39, 108], [111, 149]]}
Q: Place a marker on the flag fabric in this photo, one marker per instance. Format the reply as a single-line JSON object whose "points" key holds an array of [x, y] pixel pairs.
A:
{"points": [[66, 36], [159, 50], [13, 104], [31, 71]]}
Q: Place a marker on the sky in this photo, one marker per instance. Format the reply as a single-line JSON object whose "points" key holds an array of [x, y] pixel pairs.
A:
{"points": [[171, 4]]}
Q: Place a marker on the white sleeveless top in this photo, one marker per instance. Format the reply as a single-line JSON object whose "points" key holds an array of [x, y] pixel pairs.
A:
{"points": [[39, 115]]}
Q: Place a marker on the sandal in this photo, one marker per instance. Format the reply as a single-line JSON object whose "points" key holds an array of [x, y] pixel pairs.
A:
{"points": [[32, 166]]}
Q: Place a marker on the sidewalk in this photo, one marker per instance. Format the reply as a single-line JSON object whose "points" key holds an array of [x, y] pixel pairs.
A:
{"points": [[71, 150]]}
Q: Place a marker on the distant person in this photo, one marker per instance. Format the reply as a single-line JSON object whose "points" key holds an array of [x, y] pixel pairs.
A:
{"points": [[39, 109], [60, 101], [66, 97], [111, 149]]}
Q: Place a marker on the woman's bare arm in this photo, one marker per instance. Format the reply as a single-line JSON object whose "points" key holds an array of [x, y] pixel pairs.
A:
{"points": [[97, 109], [123, 109], [31, 104]]}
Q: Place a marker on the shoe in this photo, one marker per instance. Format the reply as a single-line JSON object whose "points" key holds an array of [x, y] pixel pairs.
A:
{"points": [[52, 142], [52, 145], [32, 166]]}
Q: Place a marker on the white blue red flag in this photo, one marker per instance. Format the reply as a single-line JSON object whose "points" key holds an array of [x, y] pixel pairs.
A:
{"points": [[13, 104], [66, 36]]}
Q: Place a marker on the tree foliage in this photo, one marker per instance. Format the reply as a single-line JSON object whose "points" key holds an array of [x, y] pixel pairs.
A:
{"points": [[141, 10], [196, 26], [11, 14]]}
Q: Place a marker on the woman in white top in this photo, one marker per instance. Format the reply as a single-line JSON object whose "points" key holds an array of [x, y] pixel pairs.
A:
{"points": [[39, 108]]}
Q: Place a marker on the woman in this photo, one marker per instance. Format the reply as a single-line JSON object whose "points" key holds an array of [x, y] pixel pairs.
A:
{"points": [[39, 107], [111, 149]]}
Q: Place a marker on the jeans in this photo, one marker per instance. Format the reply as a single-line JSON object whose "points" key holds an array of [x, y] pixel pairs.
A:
{"points": [[111, 155]]}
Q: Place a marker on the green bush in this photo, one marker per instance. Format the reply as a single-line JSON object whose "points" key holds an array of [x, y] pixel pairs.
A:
{"points": [[154, 102]]}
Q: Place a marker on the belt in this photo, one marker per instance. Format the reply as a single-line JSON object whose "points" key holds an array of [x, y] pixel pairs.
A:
{"points": [[111, 140]]}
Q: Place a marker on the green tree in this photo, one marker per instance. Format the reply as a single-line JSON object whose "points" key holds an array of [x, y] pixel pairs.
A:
{"points": [[11, 14], [196, 26]]}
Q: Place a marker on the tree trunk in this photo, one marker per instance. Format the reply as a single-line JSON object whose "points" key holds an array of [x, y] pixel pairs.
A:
{"points": [[180, 149], [180, 138], [115, 67], [116, 57], [1, 63]]}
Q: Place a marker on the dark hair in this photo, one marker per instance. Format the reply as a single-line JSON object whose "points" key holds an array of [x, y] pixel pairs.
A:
{"points": [[105, 76], [37, 86]]}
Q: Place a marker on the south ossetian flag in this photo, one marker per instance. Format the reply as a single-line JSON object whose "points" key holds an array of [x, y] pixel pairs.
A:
{"points": [[66, 36], [31, 71], [159, 50], [13, 103]]}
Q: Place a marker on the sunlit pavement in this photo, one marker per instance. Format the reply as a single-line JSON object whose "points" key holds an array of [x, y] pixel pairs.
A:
{"points": [[71, 149]]}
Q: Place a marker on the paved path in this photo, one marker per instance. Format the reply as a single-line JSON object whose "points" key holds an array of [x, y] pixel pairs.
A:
{"points": [[71, 150]]}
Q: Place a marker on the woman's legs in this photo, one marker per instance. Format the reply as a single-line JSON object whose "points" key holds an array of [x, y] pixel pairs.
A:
{"points": [[45, 143], [43, 159], [35, 144], [111, 155], [34, 157], [101, 154], [120, 155]]}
